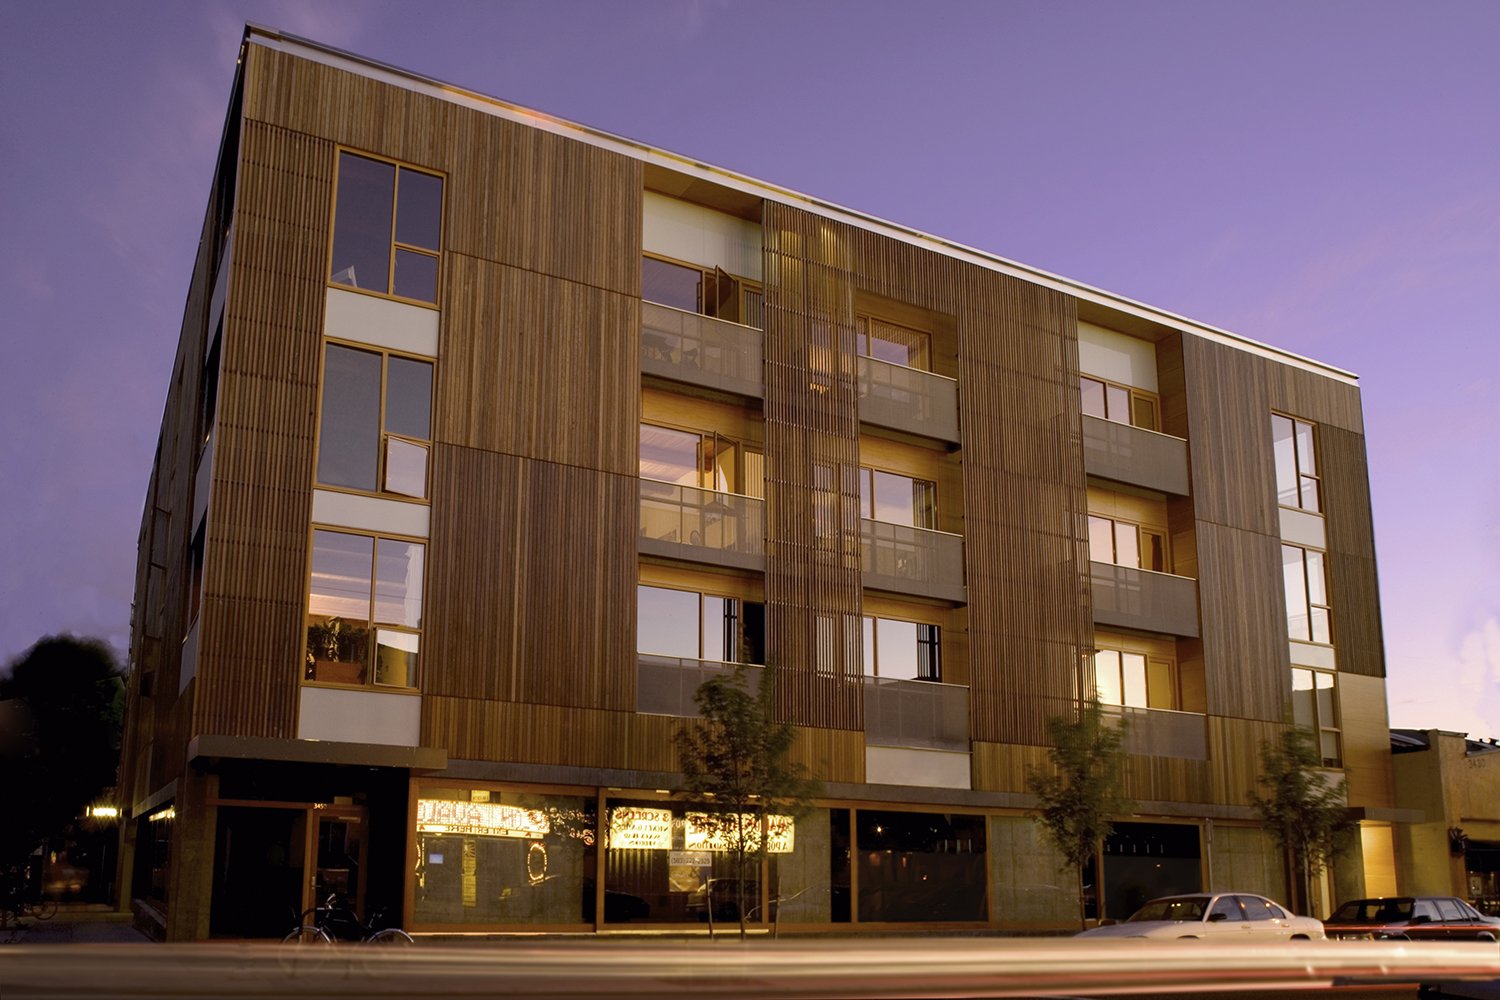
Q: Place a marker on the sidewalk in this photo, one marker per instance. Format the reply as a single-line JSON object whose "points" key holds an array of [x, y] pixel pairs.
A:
{"points": [[82, 924]]}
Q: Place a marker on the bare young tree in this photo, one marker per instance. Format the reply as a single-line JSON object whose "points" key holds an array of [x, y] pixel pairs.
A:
{"points": [[738, 758], [1081, 789]]}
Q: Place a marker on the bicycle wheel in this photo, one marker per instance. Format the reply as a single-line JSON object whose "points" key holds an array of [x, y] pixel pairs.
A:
{"points": [[307, 934], [45, 909], [391, 936]]}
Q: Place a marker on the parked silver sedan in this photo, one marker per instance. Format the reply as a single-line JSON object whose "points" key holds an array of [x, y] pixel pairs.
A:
{"points": [[1224, 916]]}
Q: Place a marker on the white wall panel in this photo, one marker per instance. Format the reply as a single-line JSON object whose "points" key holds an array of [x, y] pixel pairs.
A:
{"points": [[911, 766], [351, 510], [1116, 356], [349, 716], [366, 319], [701, 235]]}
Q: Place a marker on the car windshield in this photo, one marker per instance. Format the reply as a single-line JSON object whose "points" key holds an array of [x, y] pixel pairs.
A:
{"points": [[1373, 911], [1180, 908]]}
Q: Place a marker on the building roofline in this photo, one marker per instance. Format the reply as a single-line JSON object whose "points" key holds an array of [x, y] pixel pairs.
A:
{"points": [[273, 38]]}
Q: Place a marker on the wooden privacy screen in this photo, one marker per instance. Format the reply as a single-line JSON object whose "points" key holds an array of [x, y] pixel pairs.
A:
{"points": [[1024, 497]]}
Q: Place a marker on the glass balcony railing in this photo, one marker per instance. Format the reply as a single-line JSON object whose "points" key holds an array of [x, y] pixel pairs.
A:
{"points": [[1160, 732], [1142, 599], [907, 560], [701, 350], [907, 399], [1127, 454], [908, 713], [683, 522], [668, 685]]}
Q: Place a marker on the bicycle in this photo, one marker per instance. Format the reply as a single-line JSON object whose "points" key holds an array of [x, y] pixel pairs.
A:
{"points": [[335, 921]]}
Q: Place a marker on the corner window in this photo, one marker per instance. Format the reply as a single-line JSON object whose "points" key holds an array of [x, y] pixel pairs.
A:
{"points": [[1125, 544], [1121, 403], [1297, 481], [707, 291], [695, 626], [897, 499], [1309, 618], [387, 228], [376, 426], [902, 650], [364, 609], [1315, 708], [1135, 680]]}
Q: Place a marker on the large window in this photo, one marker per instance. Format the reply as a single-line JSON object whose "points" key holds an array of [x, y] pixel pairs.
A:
{"points": [[924, 867], [903, 650], [1297, 482], [893, 344], [387, 228], [897, 499], [1135, 680], [695, 626], [1121, 403], [1315, 708], [364, 607], [710, 291], [1125, 544], [706, 461], [376, 425], [1308, 615]]}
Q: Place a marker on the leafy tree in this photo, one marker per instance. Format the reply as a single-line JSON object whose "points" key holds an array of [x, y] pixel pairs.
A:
{"points": [[1081, 788], [738, 757], [1306, 815], [62, 703]]}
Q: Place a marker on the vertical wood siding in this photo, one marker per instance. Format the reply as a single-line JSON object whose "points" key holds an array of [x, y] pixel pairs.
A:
{"points": [[250, 646]]}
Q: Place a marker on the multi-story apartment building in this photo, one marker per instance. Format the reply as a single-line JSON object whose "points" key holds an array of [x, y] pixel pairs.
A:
{"points": [[490, 436]]}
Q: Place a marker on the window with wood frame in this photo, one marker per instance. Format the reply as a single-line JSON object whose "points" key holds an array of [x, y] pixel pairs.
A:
{"points": [[364, 609], [375, 424], [1121, 403], [1123, 543], [1315, 708], [705, 460], [1136, 680], [693, 625], [387, 228], [897, 499], [1309, 616], [903, 650], [1295, 445], [893, 343], [710, 291]]}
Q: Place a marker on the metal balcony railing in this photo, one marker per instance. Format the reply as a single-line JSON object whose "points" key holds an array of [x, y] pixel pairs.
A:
{"points": [[1160, 732], [1142, 599], [683, 522], [668, 685], [907, 560], [1126, 454], [909, 713], [907, 399], [701, 350]]}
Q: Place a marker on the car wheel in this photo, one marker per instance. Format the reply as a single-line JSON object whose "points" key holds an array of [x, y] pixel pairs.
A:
{"points": [[1300, 937], [1188, 937], [1486, 936]]}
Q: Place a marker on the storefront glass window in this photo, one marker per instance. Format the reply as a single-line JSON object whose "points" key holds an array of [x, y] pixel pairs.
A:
{"points": [[920, 866]]}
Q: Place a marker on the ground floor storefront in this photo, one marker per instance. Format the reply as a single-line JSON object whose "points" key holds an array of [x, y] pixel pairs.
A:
{"points": [[238, 850]]}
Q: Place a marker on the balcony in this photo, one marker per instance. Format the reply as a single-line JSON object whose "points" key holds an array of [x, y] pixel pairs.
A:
{"points": [[906, 560], [668, 685], [1160, 732], [1127, 454], [909, 713], [683, 522], [1126, 597], [700, 350], [907, 399]]}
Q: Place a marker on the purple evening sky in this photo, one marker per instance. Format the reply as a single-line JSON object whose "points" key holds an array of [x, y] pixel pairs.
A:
{"points": [[1324, 177]]}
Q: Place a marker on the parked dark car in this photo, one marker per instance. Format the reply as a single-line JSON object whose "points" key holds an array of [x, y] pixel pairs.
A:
{"points": [[1442, 918]]}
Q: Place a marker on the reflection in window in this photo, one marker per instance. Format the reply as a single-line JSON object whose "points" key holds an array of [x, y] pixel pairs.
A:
{"points": [[893, 344], [1135, 680], [361, 588], [1308, 614], [1297, 482], [695, 626], [710, 291], [387, 228], [1315, 708], [902, 650], [376, 422], [897, 499], [1122, 543], [925, 867], [701, 460], [1120, 403]]}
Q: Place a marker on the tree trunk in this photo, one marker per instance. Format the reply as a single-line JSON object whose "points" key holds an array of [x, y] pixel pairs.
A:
{"points": [[1083, 911]]}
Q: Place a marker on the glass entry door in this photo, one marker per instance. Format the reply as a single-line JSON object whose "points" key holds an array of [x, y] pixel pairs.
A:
{"points": [[338, 851]]}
